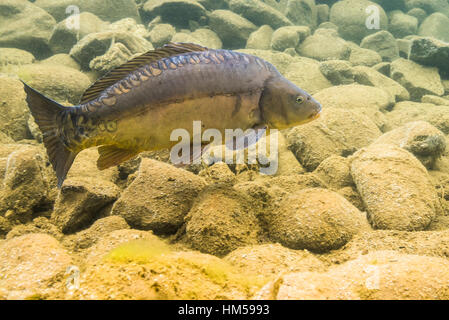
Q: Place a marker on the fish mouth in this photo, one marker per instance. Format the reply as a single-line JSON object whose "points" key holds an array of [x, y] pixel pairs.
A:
{"points": [[315, 115]]}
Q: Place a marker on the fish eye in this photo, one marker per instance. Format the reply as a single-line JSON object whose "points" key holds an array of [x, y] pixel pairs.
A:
{"points": [[299, 99]]}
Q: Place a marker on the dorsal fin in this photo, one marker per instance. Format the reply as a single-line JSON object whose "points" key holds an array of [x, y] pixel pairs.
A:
{"points": [[121, 72]]}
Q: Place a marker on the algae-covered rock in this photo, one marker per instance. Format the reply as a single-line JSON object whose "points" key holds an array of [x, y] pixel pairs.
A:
{"points": [[322, 12], [259, 13], [408, 111], [430, 52], [107, 10], [418, 80], [207, 38], [418, 13], [63, 60], [303, 12], [66, 34], [260, 39], [336, 132], [439, 101], [13, 56], [116, 56], [422, 139], [305, 73], [271, 260], [364, 57], [14, 111], [232, 29], [368, 76], [26, 182], [337, 71], [32, 265], [335, 172], [55, 81], [159, 197], [436, 26], [380, 275], [402, 25], [383, 43], [284, 38], [315, 219], [324, 45], [175, 12], [220, 221], [395, 188], [351, 17], [161, 34], [25, 26]]}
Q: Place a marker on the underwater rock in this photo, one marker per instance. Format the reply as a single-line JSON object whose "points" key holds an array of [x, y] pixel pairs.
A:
{"points": [[426, 142], [418, 13], [97, 44], [284, 38], [99, 229], [408, 111], [429, 6], [302, 12], [65, 35], [161, 34], [384, 68], [402, 25], [25, 26], [306, 74], [336, 132], [220, 221], [80, 201], [319, 220], [260, 39], [63, 60], [259, 13], [439, 101], [13, 56], [404, 47], [383, 43], [159, 197], [430, 52], [57, 82], [337, 71], [271, 260], [175, 12], [395, 188], [379, 275], [324, 45], [322, 12], [207, 38], [32, 265], [116, 56], [418, 80], [364, 57], [5, 227], [370, 77], [436, 26], [218, 173], [232, 29], [129, 25], [26, 182], [335, 172], [350, 16], [14, 111], [103, 9], [38, 225]]}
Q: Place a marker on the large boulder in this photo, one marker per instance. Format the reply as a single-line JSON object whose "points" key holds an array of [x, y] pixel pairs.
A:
{"points": [[316, 219], [159, 198], [435, 26], [25, 26], [402, 25], [351, 17], [14, 111], [161, 34], [259, 13], [13, 56], [336, 132], [337, 71], [260, 39], [395, 188], [364, 57], [107, 10], [233, 29], [430, 52], [176, 12], [324, 45], [418, 80], [221, 220], [383, 43], [32, 266]]}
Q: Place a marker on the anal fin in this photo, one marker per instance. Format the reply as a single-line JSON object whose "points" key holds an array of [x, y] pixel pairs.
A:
{"points": [[111, 156]]}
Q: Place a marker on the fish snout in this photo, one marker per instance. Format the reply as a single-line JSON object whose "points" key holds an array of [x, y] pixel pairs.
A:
{"points": [[316, 109]]}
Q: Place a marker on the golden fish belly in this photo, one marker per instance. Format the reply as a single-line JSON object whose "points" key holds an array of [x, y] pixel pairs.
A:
{"points": [[152, 129]]}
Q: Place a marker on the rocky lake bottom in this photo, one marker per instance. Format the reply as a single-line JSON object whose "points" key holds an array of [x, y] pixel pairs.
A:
{"points": [[359, 206]]}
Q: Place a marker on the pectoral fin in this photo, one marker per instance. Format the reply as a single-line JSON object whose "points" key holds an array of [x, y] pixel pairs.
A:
{"points": [[250, 138], [111, 156]]}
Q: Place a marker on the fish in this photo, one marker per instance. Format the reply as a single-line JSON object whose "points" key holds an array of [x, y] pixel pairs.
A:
{"points": [[135, 107]]}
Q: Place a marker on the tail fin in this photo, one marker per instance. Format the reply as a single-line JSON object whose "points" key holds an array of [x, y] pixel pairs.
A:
{"points": [[46, 113]]}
